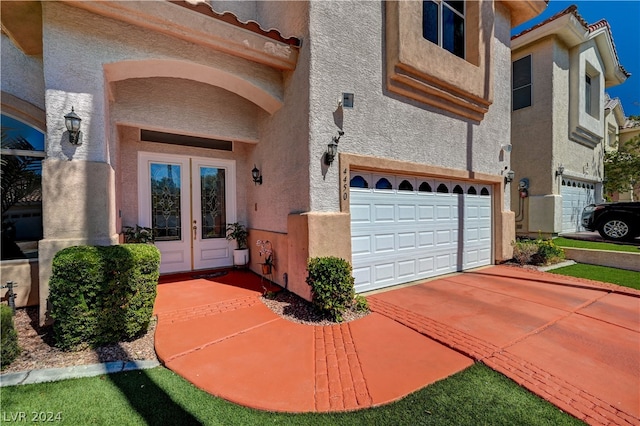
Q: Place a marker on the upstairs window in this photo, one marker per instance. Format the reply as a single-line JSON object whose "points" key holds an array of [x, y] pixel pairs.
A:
{"points": [[443, 23], [521, 74], [592, 104], [587, 93]]}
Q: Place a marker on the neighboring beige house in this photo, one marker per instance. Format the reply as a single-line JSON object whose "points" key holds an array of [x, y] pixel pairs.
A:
{"points": [[559, 127], [614, 120], [180, 102], [629, 130]]}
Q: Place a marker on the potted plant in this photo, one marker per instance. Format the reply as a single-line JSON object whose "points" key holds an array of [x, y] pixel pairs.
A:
{"points": [[266, 250], [236, 231], [138, 234]]}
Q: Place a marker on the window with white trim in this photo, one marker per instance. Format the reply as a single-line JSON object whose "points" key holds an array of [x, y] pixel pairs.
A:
{"points": [[521, 83], [587, 93], [592, 91], [22, 154], [443, 23]]}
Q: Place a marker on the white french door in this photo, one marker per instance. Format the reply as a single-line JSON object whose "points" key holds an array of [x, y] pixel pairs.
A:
{"points": [[188, 202]]}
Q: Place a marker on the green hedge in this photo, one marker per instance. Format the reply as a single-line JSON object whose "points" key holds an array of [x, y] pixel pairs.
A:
{"points": [[331, 282], [9, 349], [102, 294]]}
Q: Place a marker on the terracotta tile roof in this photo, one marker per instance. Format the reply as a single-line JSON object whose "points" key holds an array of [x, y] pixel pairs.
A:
{"points": [[610, 103], [573, 9], [230, 18], [631, 124]]}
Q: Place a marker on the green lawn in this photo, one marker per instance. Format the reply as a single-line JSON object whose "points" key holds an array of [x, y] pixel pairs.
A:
{"points": [[601, 273], [475, 396], [567, 242]]}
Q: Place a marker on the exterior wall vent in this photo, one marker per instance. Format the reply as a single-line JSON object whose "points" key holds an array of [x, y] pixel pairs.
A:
{"points": [[175, 139]]}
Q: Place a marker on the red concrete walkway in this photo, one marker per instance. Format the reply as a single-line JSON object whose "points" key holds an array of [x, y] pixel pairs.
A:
{"points": [[216, 333], [573, 342]]}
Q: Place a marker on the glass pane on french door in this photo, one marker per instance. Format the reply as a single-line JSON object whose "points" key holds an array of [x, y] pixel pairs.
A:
{"points": [[165, 201], [213, 204]]}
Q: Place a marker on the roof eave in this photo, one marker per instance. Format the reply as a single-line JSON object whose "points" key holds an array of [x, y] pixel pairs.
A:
{"points": [[22, 23], [524, 10], [180, 22], [614, 72], [567, 28]]}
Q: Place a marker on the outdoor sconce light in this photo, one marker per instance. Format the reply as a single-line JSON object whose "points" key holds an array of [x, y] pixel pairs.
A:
{"points": [[560, 170], [72, 121], [257, 177], [509, 176], [332, 149]]}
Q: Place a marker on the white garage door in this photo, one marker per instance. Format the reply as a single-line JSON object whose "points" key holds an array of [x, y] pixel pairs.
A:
{"points": [[405, 228], [576, 195]]}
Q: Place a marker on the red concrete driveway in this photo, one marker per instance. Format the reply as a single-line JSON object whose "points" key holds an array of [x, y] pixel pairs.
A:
{"points": [[574, 342]]}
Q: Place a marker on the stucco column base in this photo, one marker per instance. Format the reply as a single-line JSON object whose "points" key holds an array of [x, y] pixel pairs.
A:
{"points": [[504, 249], [545, 215], [78, 208], [315, 234], [78, 199], [47, 249]]}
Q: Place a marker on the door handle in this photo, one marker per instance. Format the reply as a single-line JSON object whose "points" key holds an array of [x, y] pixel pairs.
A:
{"points": [[195, 230]]}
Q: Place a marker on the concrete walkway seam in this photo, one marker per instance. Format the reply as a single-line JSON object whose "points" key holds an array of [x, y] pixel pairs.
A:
{"points": [[565, 396], [187, 314], [75, 372], [222, 339], [574, 311]]}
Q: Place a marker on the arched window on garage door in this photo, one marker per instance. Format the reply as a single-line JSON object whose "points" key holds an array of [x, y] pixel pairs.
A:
{"points": [[442, 188], [458, 190], [484, 191], [472, 191], [405, 185], [425, 187], [383, 183], [359, 182]]}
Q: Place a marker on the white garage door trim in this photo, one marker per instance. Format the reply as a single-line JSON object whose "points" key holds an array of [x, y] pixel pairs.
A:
{"points": [[411, 230], [576, 195]]}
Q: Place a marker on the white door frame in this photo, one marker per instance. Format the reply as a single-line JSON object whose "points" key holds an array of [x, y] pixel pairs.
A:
{"points": [[208, 253], [180, 255]]}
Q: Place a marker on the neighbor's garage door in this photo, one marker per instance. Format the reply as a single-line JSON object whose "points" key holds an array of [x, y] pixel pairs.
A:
{"points": [[404, 228], [576, 195]]}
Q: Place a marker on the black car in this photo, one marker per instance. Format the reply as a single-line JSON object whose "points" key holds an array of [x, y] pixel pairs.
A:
{"points": [[613, 221]]}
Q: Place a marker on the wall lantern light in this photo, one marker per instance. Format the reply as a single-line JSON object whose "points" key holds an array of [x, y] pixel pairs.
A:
{"points": [[509, 176], [257, 177], [332, 149], [72, 121], [560, 170]]}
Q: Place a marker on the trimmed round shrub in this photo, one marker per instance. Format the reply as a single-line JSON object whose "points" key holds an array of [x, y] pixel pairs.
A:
{"points": [[332, 285], [9, 350], [102, 294]]}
